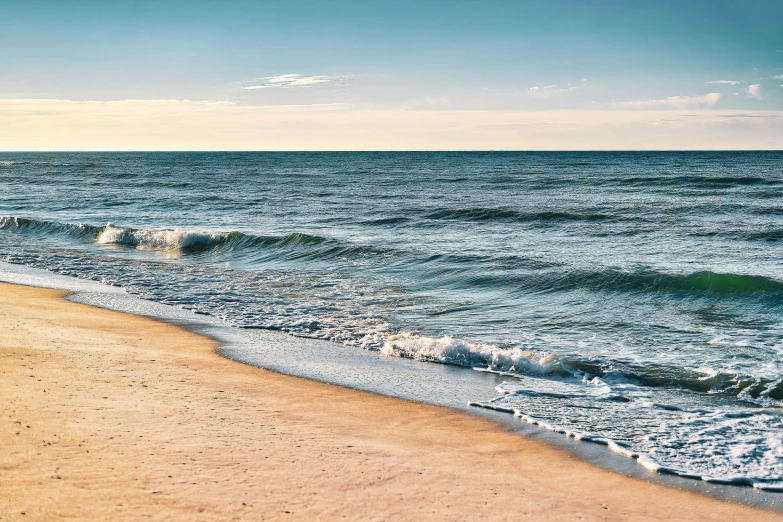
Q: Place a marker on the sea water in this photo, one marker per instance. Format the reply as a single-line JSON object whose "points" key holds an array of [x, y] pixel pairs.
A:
{"points": [[630, 299]]}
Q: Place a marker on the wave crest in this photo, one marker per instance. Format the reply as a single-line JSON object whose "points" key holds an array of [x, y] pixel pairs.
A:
{"points": [[518, 361], [704, 282], [160, 239], [35, 227], [450, 350]]}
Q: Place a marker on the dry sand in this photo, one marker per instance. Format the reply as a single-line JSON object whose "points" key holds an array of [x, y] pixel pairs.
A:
{"points": [[108, 416]]}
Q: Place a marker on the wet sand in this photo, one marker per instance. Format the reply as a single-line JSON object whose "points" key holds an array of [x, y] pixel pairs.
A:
{"points": [[109, 416]]}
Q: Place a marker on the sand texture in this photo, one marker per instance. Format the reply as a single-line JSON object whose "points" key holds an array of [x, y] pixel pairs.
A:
{"points": [[108, 416]]}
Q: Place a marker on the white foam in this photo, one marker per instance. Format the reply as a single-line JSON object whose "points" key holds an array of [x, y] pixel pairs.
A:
{"points": [[456, 351], [698, 435], [158, 239]]}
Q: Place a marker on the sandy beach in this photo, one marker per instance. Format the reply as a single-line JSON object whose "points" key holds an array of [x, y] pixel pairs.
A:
{"points": [[109, 416]]}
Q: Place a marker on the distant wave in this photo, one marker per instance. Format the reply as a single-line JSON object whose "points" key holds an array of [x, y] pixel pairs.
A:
{"points": [[697, 181], [547, 279], [698, 282], [767, 234], [386, 221], [704, 282], [775, 234], [509, 214], [725, 180], [45, 163]]}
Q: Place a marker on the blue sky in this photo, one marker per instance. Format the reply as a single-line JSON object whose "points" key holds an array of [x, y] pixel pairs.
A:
{"points": [[498, 58]]}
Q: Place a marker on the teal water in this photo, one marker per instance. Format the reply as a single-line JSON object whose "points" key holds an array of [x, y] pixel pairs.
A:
{"points": [[632, 299]]}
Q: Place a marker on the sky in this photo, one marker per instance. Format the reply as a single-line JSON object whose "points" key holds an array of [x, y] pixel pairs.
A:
{"points": [[383, 75]]}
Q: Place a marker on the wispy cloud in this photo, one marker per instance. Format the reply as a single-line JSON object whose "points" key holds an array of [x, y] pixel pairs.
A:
{"points": [[753, 90], [215, 102], [284, 81], [778, 77], [725, 82], [549, 88], [540, 87], [676, 102]]}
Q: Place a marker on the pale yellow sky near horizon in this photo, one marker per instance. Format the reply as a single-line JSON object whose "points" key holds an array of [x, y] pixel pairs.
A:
{"points": [[60, 125]]}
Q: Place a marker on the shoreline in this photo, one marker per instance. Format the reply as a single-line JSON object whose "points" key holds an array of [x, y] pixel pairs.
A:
{"points": [[141, 417]]}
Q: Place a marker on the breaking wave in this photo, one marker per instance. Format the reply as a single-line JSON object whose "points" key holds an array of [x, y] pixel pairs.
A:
{"points": [[162, 239], [525, 361], [449, 350], [307, 246], [187, 241]]}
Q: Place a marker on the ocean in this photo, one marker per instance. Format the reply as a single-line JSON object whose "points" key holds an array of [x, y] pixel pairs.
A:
{"points": [[631, 299]]}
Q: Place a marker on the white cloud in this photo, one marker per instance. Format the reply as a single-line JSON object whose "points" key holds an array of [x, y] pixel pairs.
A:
{"points": [[778, 77], [676, 102], [726, 82], [753, 90], [540, 87], [283, 81], [544, 88]]}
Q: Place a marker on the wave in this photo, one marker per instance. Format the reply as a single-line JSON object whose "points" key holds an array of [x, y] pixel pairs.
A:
{"points": [[526, 362], [47, 228], [508, 214], [297, 245], [449, 350], [704, 282], [162, 239], [761, 391], [544, 277], [386, 221], [697, 181], [44, 163], [767, 211], [467, 272], [728, 180], [770, 235], [767, 234]]}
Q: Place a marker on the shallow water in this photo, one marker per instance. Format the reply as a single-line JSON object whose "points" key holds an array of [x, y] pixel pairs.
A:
{"points": [[629, 298]]}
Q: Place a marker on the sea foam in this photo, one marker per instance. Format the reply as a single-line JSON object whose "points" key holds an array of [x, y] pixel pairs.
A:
{"points": [[159, 239], [450, 350], [730, 445]]}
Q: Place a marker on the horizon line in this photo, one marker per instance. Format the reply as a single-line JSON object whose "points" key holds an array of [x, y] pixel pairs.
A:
{"points": [[337, 151]]}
